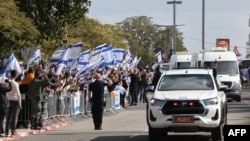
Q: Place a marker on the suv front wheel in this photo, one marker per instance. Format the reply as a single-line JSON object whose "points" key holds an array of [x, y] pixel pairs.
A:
{"points": [[156, 133], [217, 133]]}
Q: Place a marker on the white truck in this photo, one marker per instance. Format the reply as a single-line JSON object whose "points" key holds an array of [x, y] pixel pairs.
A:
{"points": [[180, 60], [186, 100], [227, 70]]}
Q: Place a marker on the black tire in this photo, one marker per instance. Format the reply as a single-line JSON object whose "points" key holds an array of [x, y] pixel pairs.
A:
{"points": [[156, 134], [238, 99], [217, 133]]}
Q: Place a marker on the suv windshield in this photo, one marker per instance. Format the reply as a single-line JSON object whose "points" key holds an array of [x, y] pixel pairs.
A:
{"points": [[186, 82]]}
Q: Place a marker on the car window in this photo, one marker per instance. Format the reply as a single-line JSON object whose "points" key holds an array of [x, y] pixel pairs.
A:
{"points": [[186, 82]]}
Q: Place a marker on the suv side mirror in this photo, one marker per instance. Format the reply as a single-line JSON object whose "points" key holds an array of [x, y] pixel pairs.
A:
{"points": [[223, 88]]}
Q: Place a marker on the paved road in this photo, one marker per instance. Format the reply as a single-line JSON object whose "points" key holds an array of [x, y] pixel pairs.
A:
{"points": [[130, 125]]}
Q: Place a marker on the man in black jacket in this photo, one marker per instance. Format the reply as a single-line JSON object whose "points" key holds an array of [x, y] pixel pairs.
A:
{"points": [[4, 102], [156, 77], [96, 97]]}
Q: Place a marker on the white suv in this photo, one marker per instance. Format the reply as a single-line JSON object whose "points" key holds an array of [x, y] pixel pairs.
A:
{"points": [[186, 100]]}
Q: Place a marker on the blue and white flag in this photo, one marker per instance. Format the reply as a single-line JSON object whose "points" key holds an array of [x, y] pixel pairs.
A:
{"points": [[138, 61], [128, 55], [57, 55], [63, 62], [95, 53], [99, 48], [75, 51], [159, 57], [11, 64], [94, 56], [83, 59], [133, 63], [85, 73], [106, 54], [36, 57], [118, 54]]}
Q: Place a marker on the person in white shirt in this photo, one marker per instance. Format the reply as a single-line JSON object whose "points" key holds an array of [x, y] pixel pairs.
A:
{"points": [[15, 100]]}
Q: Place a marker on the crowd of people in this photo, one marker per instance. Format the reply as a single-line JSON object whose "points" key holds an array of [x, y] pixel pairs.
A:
{"points": [[38, 82], [244, 75]]}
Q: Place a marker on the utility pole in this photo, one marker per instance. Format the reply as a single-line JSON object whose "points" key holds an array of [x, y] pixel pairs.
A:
{"points": [[203, 24], [168, 35], [174, 3]]}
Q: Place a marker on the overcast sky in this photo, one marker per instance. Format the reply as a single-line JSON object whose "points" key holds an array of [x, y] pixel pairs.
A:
{"points": [[223, 18]]}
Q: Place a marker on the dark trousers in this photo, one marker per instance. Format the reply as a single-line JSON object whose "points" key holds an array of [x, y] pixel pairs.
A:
{"points": [[3, 113], [97, 113], [35, 113], [134, 95], [122, 99], [12, 116]]}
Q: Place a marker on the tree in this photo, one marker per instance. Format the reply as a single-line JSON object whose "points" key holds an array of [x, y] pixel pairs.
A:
{"points": [[53, 16], [146, 38], [93, 33], [16, 30]]}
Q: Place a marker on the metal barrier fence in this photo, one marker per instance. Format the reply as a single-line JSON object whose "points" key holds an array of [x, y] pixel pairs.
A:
{"points": [[72, 106]]}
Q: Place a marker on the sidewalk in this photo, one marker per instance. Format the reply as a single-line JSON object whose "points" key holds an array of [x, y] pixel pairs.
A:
{"points": [[53, 123]]}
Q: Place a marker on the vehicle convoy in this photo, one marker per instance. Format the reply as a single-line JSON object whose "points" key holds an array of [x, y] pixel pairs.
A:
{"points": [[180, 60], [186, 100], [227, 70]]}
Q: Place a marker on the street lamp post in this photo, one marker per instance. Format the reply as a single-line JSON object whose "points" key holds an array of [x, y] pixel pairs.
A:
{"points": [[174, 3], [203, 24]]}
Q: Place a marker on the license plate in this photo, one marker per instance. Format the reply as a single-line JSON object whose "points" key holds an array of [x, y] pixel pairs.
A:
{"points": [[183, 119]]}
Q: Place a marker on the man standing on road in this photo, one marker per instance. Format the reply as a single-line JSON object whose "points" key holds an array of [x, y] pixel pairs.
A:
{"points": [[96, 88]]}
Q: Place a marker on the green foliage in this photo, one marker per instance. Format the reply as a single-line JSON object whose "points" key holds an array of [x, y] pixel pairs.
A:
{"points": [[145, 36], [16, 30], [92, 33], [52, 16]]}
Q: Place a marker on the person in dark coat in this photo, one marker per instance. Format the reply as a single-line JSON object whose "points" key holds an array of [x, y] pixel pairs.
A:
{"points": [[4, 102], [133, 86], [36, 97], [96, 97], [156, 77]]}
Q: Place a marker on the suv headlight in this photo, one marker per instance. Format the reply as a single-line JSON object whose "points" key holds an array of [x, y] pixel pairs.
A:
{"points": [[211, 101], [157, 102]]}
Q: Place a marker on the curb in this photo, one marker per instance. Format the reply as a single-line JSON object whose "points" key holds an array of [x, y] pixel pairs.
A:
{"points": [[53, 123]]}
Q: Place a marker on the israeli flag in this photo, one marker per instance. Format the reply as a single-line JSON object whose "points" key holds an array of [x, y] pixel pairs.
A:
{"points": [[11, 64], [99, 48], [138, 61], [75, 51], [159, 57], [63, 62], [106, 54], [95, 55], [133, 63], [36, 57], [83, 59], [57, 55], [128, 55], [118, 55], [90, 68]]}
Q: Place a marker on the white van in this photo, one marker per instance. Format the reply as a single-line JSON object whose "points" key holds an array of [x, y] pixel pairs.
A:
{"points": [[227, 70], [196, 60], [180, 60]]}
